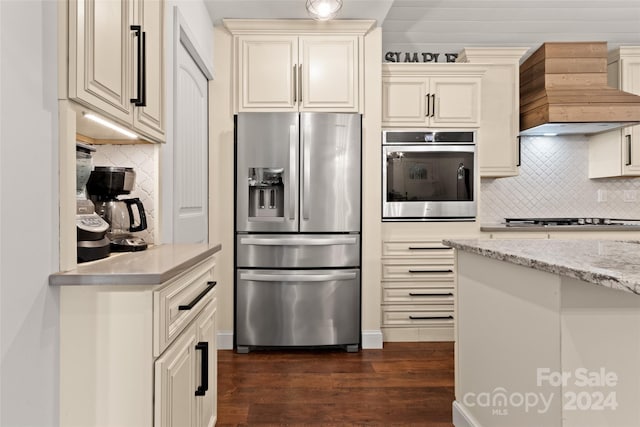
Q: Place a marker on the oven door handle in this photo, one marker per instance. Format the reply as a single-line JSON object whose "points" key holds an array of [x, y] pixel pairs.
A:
{"points": [[269, 277], [298, 242]]}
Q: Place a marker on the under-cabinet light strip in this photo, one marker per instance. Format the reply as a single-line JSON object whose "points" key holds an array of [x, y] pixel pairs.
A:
{"points": [[110, 125]]}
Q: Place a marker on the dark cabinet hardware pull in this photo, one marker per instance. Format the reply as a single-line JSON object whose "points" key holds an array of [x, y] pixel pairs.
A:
{"points": [[519, 152], [430, 295], [433, 105], [431, 317], [419, 248], [430, 271], [628, 138], [428, 106], [204, 371], [141, 99], [192, 304]]}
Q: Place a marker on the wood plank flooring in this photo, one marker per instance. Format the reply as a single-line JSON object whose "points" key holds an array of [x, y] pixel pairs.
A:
{"points": [[405, 384]]}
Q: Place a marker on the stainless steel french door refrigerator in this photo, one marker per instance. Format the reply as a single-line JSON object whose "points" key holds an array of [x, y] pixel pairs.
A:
{"points": [[298, 198]]}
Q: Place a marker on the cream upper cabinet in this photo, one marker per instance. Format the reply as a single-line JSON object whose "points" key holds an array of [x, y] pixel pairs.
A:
{"points": [[329, 70], [296, 65], [431, 95], [498, 142], [287, 73], [268, 76], [617, 153], [116, 61]]}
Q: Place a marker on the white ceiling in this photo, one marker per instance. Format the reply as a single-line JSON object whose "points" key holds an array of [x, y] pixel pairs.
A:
{"points": [[442, 26]]}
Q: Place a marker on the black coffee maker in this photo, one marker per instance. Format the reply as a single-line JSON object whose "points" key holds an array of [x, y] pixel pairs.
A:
{"points": [[125, 216]]}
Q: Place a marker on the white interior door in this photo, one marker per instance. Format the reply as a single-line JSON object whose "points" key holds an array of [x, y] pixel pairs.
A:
{"points": [[190, 216]]}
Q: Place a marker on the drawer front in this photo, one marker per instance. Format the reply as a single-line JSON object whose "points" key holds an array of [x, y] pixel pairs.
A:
{"points": [[422, 249], [418, 271], [179, 302], [413, 316], [428, 296]]}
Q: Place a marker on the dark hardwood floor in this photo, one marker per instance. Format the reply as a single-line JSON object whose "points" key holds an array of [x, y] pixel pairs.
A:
{"points": [[405, 384]]}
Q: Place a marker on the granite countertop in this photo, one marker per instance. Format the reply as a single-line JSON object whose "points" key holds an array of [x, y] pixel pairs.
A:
{"points": [[149, 267], [611, 263], [497, 227]]}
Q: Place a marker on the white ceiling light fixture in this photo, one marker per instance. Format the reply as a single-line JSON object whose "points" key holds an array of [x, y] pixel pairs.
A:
{"points": [[323, 10], [105, 123]]}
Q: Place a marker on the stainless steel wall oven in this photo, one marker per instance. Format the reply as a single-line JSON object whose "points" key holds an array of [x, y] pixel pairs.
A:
{"points": [[429, 175]]}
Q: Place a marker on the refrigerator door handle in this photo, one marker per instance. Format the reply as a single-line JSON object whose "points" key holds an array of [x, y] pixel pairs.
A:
{"points": [[293, 140], [298, 242], [306, 175], [296, 277]]}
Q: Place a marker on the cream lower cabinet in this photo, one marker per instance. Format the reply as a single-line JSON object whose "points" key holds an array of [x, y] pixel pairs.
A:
{"points": [[431, 95], [140, 355], [498, 143], [115, 68], [418, 291], [617, 153], [285, 65]]}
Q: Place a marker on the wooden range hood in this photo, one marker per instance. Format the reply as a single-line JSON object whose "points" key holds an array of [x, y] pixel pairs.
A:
{"points": [[563, 90]]}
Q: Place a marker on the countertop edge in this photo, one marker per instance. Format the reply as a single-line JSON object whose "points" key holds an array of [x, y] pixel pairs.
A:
{"points": [[597, 278], [568, 228], [117, 279]]}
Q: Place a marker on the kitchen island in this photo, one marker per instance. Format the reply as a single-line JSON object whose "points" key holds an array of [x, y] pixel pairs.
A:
{"points": [[548, 333]]}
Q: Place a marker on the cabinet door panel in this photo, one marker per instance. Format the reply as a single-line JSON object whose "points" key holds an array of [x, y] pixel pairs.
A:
{"points": [[266, 78], [404, 101], [456, 101], [206, 406], [631, 136], [150, 118], [329, 73], [175, 383], [99, 49]]}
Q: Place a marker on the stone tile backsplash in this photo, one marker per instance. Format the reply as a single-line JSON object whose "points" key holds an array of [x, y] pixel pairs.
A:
{"points": [[140, 157], [553, 182]]}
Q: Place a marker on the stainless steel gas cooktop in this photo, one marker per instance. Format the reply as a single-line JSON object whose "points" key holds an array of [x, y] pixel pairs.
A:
{"points": [[586, 221]]}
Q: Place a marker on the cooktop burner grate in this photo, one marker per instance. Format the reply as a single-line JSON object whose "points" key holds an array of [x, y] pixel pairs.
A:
{"points": [[522, 222]]}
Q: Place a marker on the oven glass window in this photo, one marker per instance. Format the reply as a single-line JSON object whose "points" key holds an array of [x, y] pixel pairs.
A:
{"points": [[429, 176]]}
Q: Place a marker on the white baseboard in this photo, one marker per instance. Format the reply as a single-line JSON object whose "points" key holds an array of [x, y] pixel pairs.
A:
{"points": [[462, 418], [225, 340], [372, 339]]}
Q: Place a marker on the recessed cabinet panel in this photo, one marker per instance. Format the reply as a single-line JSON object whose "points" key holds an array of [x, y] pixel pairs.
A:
{"points": [[329, 70], [455, 101], [175, 376], [268, 72], [99, 42], [403, 100], [150, 118]]}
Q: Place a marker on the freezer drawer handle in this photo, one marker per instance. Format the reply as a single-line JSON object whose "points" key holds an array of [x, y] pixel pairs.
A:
{"points": [[431, 317], [298, 242], [430, 271], [296, 277], [204, 370], [413, 294], [192, 304]]}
